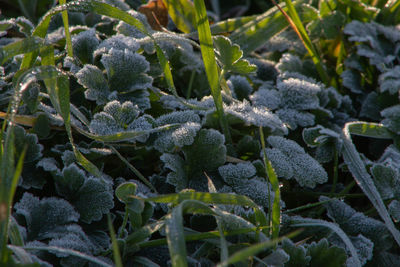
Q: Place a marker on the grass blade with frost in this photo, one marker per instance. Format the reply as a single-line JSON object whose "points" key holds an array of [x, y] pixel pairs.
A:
{"points": [[71, 252], [364, 180], [23, 46], [210, 64]]}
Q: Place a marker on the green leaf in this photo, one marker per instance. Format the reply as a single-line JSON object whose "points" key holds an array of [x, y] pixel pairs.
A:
{"points": [[298, 254], [230, 55], [125, 191], [182, 13]]}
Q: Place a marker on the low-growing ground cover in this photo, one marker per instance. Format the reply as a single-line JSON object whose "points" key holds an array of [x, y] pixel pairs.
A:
{"points": [[200, 133]]}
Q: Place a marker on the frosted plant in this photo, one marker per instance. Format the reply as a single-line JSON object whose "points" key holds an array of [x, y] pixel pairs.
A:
{"points": [[240, 87], [129, 30], [84, 44], [298, 94], [119, 41], [126, 74], [392, 118], [237, 174], [205, 154], [355, 223], [389, 81], [119, 118], [257, 116], [306, 170], [296, 118], [386, 180], [178, 137], [372, 37], [267, 97]]}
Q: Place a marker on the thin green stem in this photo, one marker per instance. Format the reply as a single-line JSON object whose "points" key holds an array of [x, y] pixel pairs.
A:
{"points": [[190, 86], [64, 15]]}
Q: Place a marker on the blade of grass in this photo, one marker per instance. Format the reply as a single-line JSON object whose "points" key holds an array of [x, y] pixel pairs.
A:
{"points": [[370, 129], [23, 46], [295, 22], [207, 51], [357, 168], [133, 169], [175, 232], [114, 243], [182, 14], [202, 236], [273, 179], [253, 250], [64, 15], [68, 252]]}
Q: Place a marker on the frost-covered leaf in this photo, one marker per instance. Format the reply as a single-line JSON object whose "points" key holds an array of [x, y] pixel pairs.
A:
{"points": [[394, 210], [126, 71], [84, 44], [130, 30], [392, 118], [306, 170], [324, 255], [237, 174], [230, 56], [117, 117], [386, 180], [298, 94], [280, 162], [295, 118], [181, 136], [355, 223], [45, 218], [119, 42], [22, 139], [266, 70], [377, 42], [277, 258], [389, 81], [178, 176], [91, 77], [257, 189], [257, 116], [298, 254], [240, 87], [266, 97], [92, 197], [352, 81]]}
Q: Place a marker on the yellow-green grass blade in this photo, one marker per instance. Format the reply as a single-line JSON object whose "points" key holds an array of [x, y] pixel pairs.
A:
{"points": [[297, 25], [23, 46], [114, 243], [182, 14], [253, 250], [273, 179], [210, 64], [64, 15]]}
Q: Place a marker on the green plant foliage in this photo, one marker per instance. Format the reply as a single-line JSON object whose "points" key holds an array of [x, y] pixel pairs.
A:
{"points": [[96, 103]]}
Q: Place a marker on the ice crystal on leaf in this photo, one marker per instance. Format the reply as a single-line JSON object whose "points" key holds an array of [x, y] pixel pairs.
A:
{"points": [[386, 180], [296, 118], [266, 97], [91, 77], [306, 170]]}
